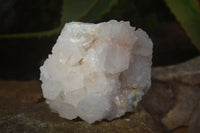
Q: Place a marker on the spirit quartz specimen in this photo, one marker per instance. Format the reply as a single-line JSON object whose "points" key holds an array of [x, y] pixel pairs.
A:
{"points": [[97, 71]]}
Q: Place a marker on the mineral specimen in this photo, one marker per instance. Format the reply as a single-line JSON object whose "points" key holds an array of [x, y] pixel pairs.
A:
{"points": [[97, 71]]}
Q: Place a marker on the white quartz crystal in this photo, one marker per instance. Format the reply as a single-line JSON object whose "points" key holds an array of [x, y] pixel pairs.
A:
{"points": [[97, 71]]}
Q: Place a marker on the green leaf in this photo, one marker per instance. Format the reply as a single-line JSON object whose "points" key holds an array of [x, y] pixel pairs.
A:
{"points": [[187, 12], [72, 10], [100, 8]]}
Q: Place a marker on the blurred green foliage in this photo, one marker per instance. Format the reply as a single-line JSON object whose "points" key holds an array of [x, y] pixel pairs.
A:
{"points": [[187, 13], [98, 10], [72, 10]]}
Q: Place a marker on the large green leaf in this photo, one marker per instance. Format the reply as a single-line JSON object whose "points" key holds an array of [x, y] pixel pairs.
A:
{"points": [[100, 8], [187, 13], [72, 10]]}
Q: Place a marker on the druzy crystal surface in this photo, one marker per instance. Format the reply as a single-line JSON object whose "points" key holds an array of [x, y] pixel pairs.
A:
{"points": [[97, 71]]}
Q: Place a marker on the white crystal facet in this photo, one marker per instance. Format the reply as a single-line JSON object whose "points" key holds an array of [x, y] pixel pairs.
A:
{"points": [[97, 71]]}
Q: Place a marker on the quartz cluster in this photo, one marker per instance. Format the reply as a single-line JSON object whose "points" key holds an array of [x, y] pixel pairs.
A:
{"points": [[97, 71]]}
